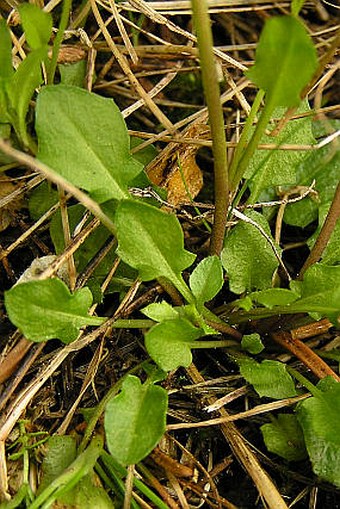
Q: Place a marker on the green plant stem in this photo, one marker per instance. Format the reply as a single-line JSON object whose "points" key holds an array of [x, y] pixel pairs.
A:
{"points": [[241, 146], [260, 313], [304, 381], [185, 290], [254, 140], [115, 483], [132, 324], [65, 13], [325, 233], [214, 344], [257, 314], [212, 93], [118, 470], [155, 499], [17, 500]]}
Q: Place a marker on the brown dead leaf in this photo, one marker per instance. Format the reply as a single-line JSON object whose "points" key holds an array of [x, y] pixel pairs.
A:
{"points": [[8, 210], [71, 54], [164, 170]]}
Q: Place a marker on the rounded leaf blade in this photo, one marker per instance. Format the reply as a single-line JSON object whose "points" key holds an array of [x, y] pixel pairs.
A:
{"points": [[285, 60], [152, 242], [135, 420]]}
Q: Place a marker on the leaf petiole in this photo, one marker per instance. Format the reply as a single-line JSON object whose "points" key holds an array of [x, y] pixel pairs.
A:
{"points": [[248, 151], [234, 174], [65, 13], [132, 324], [214, 344]]}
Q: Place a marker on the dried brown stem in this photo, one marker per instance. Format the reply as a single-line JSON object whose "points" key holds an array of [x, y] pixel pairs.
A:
{"points": [[13, 358], [305, 354], [245, 455]]}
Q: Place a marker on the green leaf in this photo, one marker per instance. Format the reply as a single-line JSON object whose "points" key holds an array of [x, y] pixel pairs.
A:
{"points": [[37, 25], [283, 436], [206, 280], [123, 278], [301, 213], [87, 494], [269, 168], [135, 420], [24, 82], [151, 241], [69, 484], [41, 199], [319, 419], [61, 452], [73, 74], [247, 256], [154, 373], [191, 313], [169, 343], [6, 67], [323, 166], [285, 61], [75, 215], [270, 378], [252, 343], [146, 155], [89, 247], [296, 6], [6, 72], [245, 303], [46, 309], [93, 155], [124, 275], [274, 297], [160, 311], [320, 292]]}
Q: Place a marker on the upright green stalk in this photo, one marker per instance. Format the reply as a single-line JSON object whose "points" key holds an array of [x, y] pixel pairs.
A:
{"points": [[234, 174], [242, 161], [219, 147], [65, 13]]}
